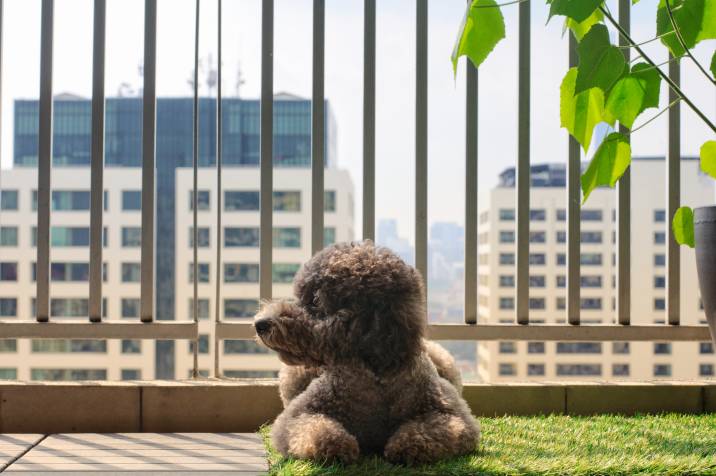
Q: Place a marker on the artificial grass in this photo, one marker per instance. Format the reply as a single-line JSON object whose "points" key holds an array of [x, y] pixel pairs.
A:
{"points": [[556, 445]]}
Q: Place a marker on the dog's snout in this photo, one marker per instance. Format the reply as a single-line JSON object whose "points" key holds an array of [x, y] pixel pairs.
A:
{"points": [[262, 325]]}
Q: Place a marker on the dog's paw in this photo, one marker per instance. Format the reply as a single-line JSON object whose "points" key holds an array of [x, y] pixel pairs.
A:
{"points": [[321, 438]]}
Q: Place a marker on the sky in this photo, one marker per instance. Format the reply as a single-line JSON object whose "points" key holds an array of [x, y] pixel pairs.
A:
{"points": [[395, 91]]}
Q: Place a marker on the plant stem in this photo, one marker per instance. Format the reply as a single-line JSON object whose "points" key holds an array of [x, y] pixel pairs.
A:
{"points": [[643, 42], [498, 5], [665, 76], [655, 116], [683, 43]]}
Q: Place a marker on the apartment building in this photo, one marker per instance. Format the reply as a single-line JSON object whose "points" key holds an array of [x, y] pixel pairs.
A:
{"points": [[534, 361]]}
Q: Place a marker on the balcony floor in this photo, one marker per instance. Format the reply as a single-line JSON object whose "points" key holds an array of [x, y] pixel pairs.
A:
{"points": [[242, 454]]}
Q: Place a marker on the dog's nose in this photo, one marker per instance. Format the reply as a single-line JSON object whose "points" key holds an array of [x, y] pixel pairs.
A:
{"points": [[262, 325]]}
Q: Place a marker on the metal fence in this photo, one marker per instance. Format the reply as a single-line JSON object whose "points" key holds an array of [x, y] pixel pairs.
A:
{"points": [[148, 328]]}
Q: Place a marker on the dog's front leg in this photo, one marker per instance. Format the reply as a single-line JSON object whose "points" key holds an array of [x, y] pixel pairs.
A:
{"points": [[431, 437], [314, 436], [294, 379]]}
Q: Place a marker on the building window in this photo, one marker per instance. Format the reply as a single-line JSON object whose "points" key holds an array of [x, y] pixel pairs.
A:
{"points": [[507, 281], [659, 282], [287, 237], [591, 281], [8, 307], [535, 370], [579, 347], [204, 237], [538, 214], [241, 200], [561, 259], [329, 236], [131, 200], [591, 259], [284, 272], [662, 370], [561, 304], [203, 308], [706, 348], [508, 347], [659, 237], [591, 303], [284, 201], [579, 369], [659, 216], [561, 237], [131, 272], [203, 276], [8, 374], [131, 237], [591, 215], [507, 303], [203, 200], [537, 281], [67, 271], [241, 273], [561, 281], [329, 201], [8, 200], [241, 237], [507, 258], [131, 374], [203, 344], [662, 348], [243, 347], [68, 374], [659, 304], [507, 236], [130, 307], [561, 214], [8, 271], [620, 370], [507, 370], [537, 303], [706, 370], [239, 308], [8, 236], [8, 345], [591, 237], [535, 347], [620, 347], [507, 214], [68, 200], [538, 236], [537, 259], [67, 307], [58, 346], [659, 260]]}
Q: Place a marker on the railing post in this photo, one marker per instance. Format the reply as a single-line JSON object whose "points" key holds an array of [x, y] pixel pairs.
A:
{"points": [[317, 126], [574, 170], [471, 209], [673, 193], [266, 190], [369, 120], [523, 166], [195, 191], [219, 201], [421, 141]]}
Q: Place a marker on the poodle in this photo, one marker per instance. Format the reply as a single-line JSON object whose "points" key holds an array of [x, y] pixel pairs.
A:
{"points": [[360, 377]]}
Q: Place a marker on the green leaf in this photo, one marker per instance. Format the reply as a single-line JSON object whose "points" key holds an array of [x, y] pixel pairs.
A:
{"points": [[579, 114], [683, 226], [708, 25], [651, 81], [581, 28], [601, 64], [713, 64], [482, 28], [577, 10], [688, 16], [708, 157], [624, 101], [608, 164]]}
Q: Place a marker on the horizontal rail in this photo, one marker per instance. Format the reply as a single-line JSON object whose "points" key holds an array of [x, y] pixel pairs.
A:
{"points": [[485, 332], [83, 329]]}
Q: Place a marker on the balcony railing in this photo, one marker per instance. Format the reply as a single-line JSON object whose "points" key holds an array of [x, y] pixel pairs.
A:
{"points": [[148, 328]]}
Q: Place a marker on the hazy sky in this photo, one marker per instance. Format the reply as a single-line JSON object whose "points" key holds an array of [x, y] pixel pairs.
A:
{"points": [[344, 54]]}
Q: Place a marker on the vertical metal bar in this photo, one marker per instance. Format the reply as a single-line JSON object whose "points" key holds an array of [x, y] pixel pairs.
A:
{"points": [[673, 191], [148, 159], [421, 140], [266, 191], [195, 199], [219, 201], [574, 170], [44, 164], [369, 120], [523, 166], [97, 163], [471, 226], [317, 126], [2, 10], [624, 204]]}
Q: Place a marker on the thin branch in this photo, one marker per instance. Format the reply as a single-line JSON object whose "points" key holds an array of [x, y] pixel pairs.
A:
{"points": [[499, 4], [664, 76], [643, 42], [670, 60], [683, 43], [655, 116]]}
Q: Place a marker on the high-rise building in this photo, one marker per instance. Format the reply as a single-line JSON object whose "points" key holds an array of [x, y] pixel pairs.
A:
{"points": [[501, 361], [70, 217]]}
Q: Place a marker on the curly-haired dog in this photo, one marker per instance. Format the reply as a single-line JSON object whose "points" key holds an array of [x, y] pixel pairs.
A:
{"points": [[361, 378]]}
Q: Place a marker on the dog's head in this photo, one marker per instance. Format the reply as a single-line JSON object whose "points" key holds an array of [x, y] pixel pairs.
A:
{"points": [[355, 304]]}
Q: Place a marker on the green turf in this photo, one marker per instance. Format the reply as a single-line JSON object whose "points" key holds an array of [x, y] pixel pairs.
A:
{"points": [[556, 445]]}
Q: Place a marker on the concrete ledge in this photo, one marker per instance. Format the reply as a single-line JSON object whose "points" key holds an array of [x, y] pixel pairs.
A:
{"points": [[243, 406]]}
